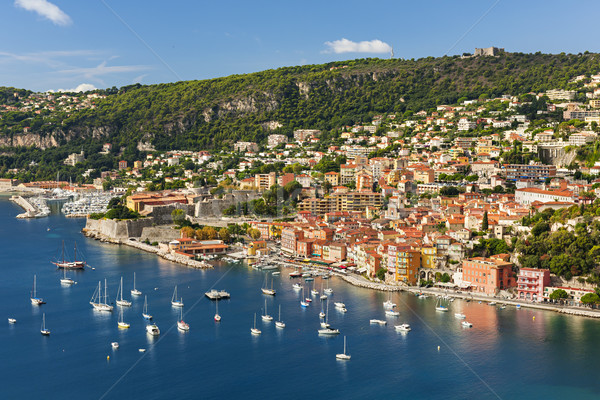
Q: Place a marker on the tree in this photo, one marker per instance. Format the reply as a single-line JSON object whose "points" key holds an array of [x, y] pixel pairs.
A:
{"points": [[178, 216], [209, 233], [381, 274], [254, 233], [484, 223], [445, 277], [540, 228], [188, 232], [590, 299], [558, 294], [224, 235]]}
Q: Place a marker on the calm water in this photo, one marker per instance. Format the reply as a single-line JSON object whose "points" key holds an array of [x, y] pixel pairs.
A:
{"points": [[507, 354]]}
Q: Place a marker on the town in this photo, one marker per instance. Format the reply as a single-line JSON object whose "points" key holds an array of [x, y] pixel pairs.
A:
{"points": [[442, 197]]}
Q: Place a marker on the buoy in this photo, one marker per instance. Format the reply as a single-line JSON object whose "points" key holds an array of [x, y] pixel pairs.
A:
{"points": [[534, 317], [438, 348], [107, 358]]}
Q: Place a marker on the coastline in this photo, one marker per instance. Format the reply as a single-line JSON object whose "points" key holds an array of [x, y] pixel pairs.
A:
{"points": [[148, 248]]}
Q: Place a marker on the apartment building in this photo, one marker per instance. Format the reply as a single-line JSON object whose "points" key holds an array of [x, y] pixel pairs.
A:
{"points": [[536, 172], [488, 275], [531, 283]]}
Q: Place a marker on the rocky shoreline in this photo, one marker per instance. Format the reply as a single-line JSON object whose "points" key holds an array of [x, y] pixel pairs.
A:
{"points": [[148, 248]]}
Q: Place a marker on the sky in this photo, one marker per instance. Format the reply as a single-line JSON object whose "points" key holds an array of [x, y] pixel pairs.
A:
{"points": [[86, 44]]}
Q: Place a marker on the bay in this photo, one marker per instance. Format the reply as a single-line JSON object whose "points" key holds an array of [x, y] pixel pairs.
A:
{"points": [[507, 354]]}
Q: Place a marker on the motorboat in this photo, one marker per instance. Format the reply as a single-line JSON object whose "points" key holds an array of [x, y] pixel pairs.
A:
{"points": [[460, 316], [329, 331], [392, 313], [403, 327], [115, 345], [467, 324], [378, 322], [153, 330]]}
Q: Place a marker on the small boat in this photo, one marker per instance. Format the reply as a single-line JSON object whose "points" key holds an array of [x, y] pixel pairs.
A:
{"points": [[280, 323], [323, 297], [325, 325], [343, 356], [297, 286], [306, 275], [96, 300], [275, 273], [389, 303], [174, 301], [254, 330], [339, 304], [12, 321], [64, 280], [309, 279], [308, 300], [518, 306], [467, 324], [403, 327], [145, 312], [142, 350], [34, 299], [423, 296], [343, 309], [378, 322], [134, 291], [392, 313], [329, 331], [439, 306], [217, 316], [265, 316], [122, 324], [115, 345], [493, 303], [460, 316], [304, 303], [181, 324], [120, 301], [295, 274], [43, 330], [152, 330], [314, 292], [328, 290], [266, 290]]}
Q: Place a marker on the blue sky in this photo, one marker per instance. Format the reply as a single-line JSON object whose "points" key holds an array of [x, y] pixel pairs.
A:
{"points": [[62, 44]]}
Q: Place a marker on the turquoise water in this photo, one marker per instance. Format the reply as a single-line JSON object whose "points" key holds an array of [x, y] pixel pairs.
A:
{"points": [[507, 354]]}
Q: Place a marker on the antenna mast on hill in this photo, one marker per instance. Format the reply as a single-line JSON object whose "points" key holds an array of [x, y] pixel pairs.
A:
{"points": [[392, 53]]}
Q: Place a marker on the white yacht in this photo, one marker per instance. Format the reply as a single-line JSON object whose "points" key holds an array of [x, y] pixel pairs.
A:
{"points": [[97, 301], [403, 328], [329, 331], [392, 313], [255, 331], [153, 330], [174, 301], [378, 322], [115, 345], [34, 299], [279, 323], [467, 324], [122, 324], [120, 301], [460, 316], [181, 324]]}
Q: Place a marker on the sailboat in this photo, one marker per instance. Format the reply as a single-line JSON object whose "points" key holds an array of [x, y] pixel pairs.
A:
{"points": [[96, 300], [254, 330], [120, 301], [303, 303], [145, 312], [217, 316], [69, 264], [325, 324], [265, 316], [64, 280], [122, 324], [439, 306], [44, 331], [134, 291], [343, 356], [313, 291], [34, 299], [181, 324], [174, 301], [280, 323], [266, 290], [322, 314], [389, 303], [323, 295], [328, 290]]}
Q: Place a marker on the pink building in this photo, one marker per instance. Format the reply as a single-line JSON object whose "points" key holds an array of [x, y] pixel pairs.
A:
{"points": [[531, 283]]}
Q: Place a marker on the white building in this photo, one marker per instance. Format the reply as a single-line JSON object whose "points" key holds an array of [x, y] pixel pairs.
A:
{"points": [[465, 125], [275, 140], [582, 138], [529, 195]]}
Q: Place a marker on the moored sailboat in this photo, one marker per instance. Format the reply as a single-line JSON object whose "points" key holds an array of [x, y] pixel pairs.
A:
{"points": [[343, 356], [120, 301], [37, 301], [174, 301], [145, 311], [44, 331], [280, 323], [181, 324], [69, 264], [96, 300], [134, 291]]}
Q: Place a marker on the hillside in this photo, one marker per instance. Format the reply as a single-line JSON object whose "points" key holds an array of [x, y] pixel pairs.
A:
{"points": [[218, 112]]}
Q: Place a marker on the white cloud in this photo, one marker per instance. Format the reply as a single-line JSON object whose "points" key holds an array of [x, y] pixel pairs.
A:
{"points": [[83, 87], [102, 69], [348, 46], [46, 10]]}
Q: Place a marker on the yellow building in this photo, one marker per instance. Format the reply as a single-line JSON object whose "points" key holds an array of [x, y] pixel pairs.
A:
{"points": [[333, 178], [257, 247], [428, 255], [404, 263]]}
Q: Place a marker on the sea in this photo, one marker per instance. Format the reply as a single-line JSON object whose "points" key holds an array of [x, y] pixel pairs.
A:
{"points": [[507, 354]]}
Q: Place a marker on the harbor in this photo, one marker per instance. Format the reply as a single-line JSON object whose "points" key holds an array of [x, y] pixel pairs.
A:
{"points": [[163, 363]]}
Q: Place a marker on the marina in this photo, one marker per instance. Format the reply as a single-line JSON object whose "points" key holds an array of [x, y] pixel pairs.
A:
{"points": [[498, 339]]}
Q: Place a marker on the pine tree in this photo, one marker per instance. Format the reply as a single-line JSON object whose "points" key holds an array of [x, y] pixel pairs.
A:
{"points": [[484, 223]]}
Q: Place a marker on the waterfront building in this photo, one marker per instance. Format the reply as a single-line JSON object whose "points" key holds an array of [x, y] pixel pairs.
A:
{"points": [[190, 247], [531, 283], [574, 294], [257, 248], [403, 263], [488, 275]]}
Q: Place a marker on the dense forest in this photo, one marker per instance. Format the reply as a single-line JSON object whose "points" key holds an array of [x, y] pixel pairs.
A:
{"points": [[215, 113]]}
